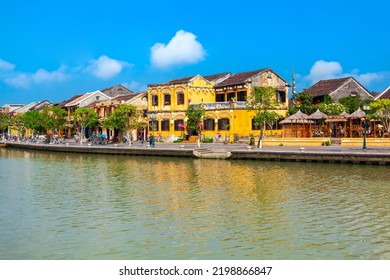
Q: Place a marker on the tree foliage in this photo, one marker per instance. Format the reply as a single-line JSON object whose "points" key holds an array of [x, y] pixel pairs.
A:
{"points": [[268, 117], [86, 117], [304, 103], [18, 124], [53, 118], [195, 114], [5, 121], [380, 110], [33, 120], [332, 108], [351, 103], [262, 101], [124, 118]]}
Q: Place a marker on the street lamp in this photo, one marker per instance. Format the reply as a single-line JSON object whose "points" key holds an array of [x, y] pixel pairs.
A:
{"points": [[366, 108]]}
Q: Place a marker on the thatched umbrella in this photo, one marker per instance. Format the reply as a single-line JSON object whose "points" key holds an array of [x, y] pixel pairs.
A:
{"points": [[345, 114], [296, 118], [358, 114], [317, 115]]}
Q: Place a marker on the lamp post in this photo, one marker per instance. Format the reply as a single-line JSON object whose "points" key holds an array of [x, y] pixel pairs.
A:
{"points": [[366, 108]]}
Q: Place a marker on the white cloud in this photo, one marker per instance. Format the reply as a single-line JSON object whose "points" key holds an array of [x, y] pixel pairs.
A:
{"points": [[182, 49], [42, 75], [135, 86], [368, 78], [106, 68], [5, 65], [25, 80], [19, 81], [323, 70]]}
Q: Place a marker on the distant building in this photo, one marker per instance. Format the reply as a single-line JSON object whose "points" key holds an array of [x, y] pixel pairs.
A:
{"points": [[41, 105], [384, 95], [8, 108], [23, 109], [106, 108], [336, 89], [115, 91]]}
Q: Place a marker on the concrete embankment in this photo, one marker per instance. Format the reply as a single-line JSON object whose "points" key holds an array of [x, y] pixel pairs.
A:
{"points": [[330, 154], [306, 155], [104, 149]]}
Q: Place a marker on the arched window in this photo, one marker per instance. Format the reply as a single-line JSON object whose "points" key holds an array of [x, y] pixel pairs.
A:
{"points": [[180, 98], [179, 125], [154, 100], [165, 125], [167, 99], [209, 124], [224, 124]]}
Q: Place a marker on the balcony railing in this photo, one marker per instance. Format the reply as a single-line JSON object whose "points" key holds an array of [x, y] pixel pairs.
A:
{"points": [[230, 105], [222, 105]]}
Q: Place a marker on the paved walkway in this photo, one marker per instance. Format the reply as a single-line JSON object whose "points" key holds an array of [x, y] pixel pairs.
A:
{"points": [[332, 154]]}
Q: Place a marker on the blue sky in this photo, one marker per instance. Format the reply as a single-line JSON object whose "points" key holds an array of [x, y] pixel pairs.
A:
{"points": [[55, 49]]}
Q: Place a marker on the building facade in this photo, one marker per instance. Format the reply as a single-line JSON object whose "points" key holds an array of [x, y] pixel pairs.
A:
{"points": [[336, 89], [224, 98], [105, 109]]}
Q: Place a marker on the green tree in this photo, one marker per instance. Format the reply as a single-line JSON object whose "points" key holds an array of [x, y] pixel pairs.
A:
{"points": [[327, 99], [332, 108], [125, 118], [304, 103], [18, 124], [195, 115], [5, 121], [380, 110], [351, 103], [53, 119], [33, 120], [262, 100], [85, 118]]}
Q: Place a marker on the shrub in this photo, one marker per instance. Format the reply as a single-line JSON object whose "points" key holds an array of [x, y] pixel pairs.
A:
{"points": [[251, 140], [179, 140], [208, 140]]}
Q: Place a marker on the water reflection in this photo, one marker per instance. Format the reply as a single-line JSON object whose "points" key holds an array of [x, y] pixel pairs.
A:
{"points": [[71, 206]]}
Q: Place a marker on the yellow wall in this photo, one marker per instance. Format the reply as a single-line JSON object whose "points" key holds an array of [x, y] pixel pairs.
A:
{"points": [[201, 91]]}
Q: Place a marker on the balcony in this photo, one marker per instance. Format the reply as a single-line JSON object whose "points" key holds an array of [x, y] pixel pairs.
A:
{"points": [[222, 105]]}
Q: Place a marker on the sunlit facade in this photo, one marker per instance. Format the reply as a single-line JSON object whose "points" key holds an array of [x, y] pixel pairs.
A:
{"points": [[223, 96]]}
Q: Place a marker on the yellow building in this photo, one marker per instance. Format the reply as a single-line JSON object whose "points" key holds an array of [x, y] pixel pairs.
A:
{"points": [[167, 102], [224, 98], [107, 107], [229, 111]]}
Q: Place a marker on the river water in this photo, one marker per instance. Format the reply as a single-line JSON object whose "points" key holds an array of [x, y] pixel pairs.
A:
{"points": [[73, 206]]}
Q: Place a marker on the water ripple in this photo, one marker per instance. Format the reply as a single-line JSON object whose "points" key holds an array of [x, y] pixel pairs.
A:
{"points": [[69, 206]]}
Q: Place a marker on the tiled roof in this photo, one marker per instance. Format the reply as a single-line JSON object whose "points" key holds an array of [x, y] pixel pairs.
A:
{"points": [[125, 97], [181, 80], [384, 94], [63, 103], [79, 99], [174, 81], [116, 90], [325, 87], [214, 78], [41, 105], [240, 78], [186, 80]]}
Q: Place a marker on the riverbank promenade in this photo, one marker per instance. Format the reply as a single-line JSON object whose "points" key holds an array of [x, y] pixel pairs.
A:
{"points": [[330, 154]]}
